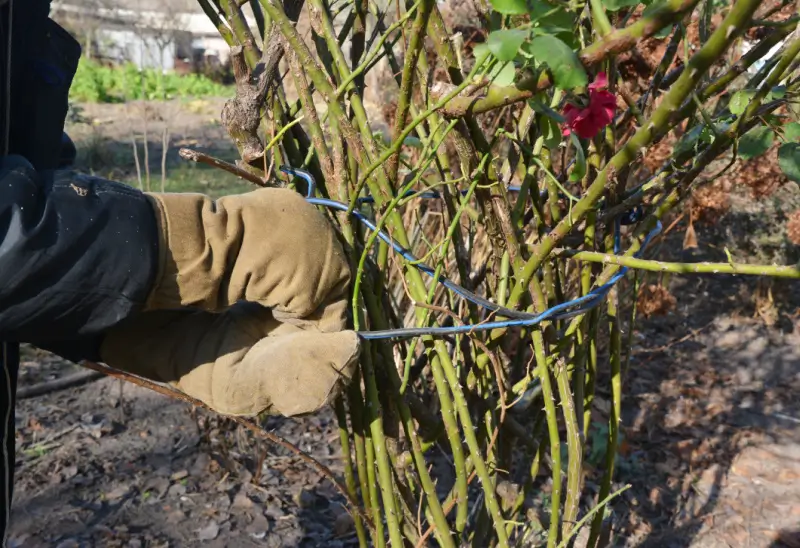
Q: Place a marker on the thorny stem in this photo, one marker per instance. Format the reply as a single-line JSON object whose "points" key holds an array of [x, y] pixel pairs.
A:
{"points": [[574, 448], [242, 30], [215, 18], [698, 65], [203, 158], [543, 373], [773, 271], [457, 377], [350, 480], [390, 505], [317, 135], [613, 43], [616, 406], [413, 51]]}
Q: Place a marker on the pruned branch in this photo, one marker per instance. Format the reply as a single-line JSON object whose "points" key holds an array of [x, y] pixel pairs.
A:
{"points": [[202, 158]]}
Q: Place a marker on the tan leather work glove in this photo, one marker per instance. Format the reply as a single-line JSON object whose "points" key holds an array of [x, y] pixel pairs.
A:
{"points": [[241, 362], [269, 246], [291, 353]]}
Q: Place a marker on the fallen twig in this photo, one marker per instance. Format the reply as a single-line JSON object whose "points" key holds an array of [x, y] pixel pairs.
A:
{"points": [[71, 381], [256, 429], [688, 336]]}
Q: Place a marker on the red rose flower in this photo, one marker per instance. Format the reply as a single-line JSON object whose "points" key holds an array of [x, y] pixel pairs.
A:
{"points": [[588, 121]]}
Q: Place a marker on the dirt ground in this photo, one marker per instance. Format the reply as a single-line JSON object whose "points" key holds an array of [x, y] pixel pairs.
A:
{"points": [[711, 421]]}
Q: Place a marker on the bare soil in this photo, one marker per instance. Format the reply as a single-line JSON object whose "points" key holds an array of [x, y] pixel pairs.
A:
{"points": [[711, 419]]}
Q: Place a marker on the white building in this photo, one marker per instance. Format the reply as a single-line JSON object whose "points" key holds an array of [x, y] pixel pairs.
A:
{"points": [[149, 33]]}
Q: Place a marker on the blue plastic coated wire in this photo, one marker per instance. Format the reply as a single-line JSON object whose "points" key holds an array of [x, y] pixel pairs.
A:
{"points": [[517, 318]]}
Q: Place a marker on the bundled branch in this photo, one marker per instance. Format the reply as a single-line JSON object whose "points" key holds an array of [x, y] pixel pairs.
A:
{"points": [[512, 172]]}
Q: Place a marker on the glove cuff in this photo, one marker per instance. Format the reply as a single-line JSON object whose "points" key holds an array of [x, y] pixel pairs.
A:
{"points": [[163, 295], [269, 246]]}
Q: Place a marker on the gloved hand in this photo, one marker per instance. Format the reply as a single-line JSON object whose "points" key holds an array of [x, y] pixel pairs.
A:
{"points": [[268, 246], [240, 362], [90, 269], [272, 249]]}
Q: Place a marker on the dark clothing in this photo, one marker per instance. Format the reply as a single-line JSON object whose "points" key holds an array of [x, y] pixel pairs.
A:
{"points": [[78, 254]]}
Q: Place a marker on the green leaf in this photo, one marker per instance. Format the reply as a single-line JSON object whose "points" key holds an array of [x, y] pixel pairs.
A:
{"points": [[756, 142], [541, 108], [480, 51], [789, 160], [740, 100], [503, 74], [615, 5], [707, 135], [579, 170], [791, 132], [663, 33], [549, 129], [690, 139], [510, 7], [504, 44], [546, 14], [412, 142], [554, 20], [778, 92], [568, 72]]}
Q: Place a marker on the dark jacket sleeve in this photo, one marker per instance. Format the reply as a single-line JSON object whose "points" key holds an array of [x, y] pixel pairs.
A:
{"points": [[78, 254]]}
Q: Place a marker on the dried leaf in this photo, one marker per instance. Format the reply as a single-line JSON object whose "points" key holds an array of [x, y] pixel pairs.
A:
{"points": [[208, 532]]}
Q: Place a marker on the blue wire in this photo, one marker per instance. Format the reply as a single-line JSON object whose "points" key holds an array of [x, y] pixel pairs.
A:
{"points": [[518, 319]]}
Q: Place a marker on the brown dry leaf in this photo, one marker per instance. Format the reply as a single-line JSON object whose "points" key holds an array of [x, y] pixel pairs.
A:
{"points": [[711, 202], [793, 227], [762, 174], [656, 155], [210, 532], [787, 11], [690, 238], [655, 300], [656, 496], [670, 467]]}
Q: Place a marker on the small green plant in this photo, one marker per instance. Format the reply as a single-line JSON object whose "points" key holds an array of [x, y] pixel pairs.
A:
{"points": [[96, 83]]}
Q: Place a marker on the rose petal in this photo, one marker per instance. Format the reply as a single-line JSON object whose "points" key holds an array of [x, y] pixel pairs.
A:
{"points": [[602, 115], [603, 96], [603, 105], [600, 82], [571, 112], [572, 116], [586, 128]]}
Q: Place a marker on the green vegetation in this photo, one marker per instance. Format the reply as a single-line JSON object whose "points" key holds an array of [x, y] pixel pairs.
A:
{"points": [[189, 177], [96, 83]]}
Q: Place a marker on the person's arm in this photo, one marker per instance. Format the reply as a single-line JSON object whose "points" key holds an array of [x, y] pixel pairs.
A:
{"points": [[77, 254], [153, 284]]}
